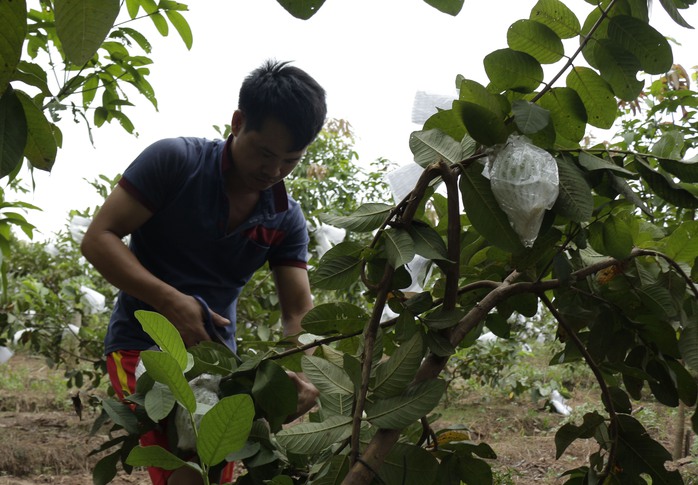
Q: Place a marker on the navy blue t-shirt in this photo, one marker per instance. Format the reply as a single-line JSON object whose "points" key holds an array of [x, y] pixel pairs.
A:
{"points": [[185, 242]]}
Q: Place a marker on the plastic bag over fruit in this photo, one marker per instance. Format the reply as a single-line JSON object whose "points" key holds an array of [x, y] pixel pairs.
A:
{"points": [[524, 181]]}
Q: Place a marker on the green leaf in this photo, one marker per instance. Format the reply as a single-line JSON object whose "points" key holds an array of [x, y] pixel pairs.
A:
{"points": [[575, 200], [338, 469], [400, 411], [164, 368], [398, 246], [159, 401], [365, 219], [105, 469], [591, 163], [557, 16], [596, 95], [13, 132], [617, 237], [643, 41], [312, 438], [688, 344], [441, 319], [41, 147], [510, 69], [327, 377], [393, 376], [450, 7], [82, 26], [181, 25], [428, 243], [669, 145], [225, 428], [336, 272], [569, 433], [155, 455], [484, 212], [431, 146], [13, 25], [474, 92], [686, 170], [483, 125], [529, 117], [619, 68], [682, 244], [160, 23], [638, 454], [665, 187], [567, 112], [673, 11], [334, 318], [164, 334], [407, 464], [273, 390], [535, 39], [121, 414], [301, 9], [336, 404]]}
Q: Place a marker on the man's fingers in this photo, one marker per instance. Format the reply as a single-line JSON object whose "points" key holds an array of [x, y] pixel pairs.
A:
{"points": [[219, 320]]}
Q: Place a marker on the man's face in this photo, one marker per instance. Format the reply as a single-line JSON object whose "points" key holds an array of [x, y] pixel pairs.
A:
{"points": [[262, 158]]}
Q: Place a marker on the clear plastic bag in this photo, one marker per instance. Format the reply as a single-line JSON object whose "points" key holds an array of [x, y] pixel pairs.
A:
{"points": [[525, 182]]}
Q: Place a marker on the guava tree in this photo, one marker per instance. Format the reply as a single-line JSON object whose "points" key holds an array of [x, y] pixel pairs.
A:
{"points": [[608, 247]]}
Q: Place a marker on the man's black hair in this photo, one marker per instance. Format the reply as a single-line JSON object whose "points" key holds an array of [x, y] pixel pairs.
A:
{"points": [[288, 94]]}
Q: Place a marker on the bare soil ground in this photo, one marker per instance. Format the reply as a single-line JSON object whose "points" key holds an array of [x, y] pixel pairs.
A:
{"points": [[42, 440]]}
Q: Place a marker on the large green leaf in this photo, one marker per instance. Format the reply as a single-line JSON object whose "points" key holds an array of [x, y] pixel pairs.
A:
{"points": [[484, 212], [224, 428], [536, 39], [164, 368], [474, 92], [591, 162], [311, 438], [510, 69], [433, 145], [618, 67], [639, 454], [326, 376], [398, 246], [529, 117], [365, 219], [688, 340], [274, 392], [181, 25], [596, 95], [428, 243], [567, 112], [158, 456], [82, 26], [41, 146], [159, 401], [338, 469], [13, 25], [665, 187], [13, 132], [617, 237], [557, 16], [120, 413], [407, 464], [451, 7], [301, 9], [400, 411], [673, 11], [682, 244], [164, 334], [393, 376], [575, 200], [669, 145], [483, 125], [333, 318], [639, 38], [686, 170], [568, 433], [336, 273]]}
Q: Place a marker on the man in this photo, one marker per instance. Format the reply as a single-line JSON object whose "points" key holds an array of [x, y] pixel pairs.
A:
{"points": [[203, 216]]}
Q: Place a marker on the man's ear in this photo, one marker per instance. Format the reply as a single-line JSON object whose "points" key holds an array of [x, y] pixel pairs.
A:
{"points": [[237, 123]]}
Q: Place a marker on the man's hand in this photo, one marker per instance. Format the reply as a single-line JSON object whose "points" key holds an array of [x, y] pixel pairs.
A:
{"points": [[187, 315], [307, 396]]}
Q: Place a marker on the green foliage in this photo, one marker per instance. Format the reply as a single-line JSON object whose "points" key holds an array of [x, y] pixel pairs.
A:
{"points": [[88, 53]]}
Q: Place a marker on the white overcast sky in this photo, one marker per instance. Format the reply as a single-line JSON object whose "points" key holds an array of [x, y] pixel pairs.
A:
{"points": [[371, 56]]}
